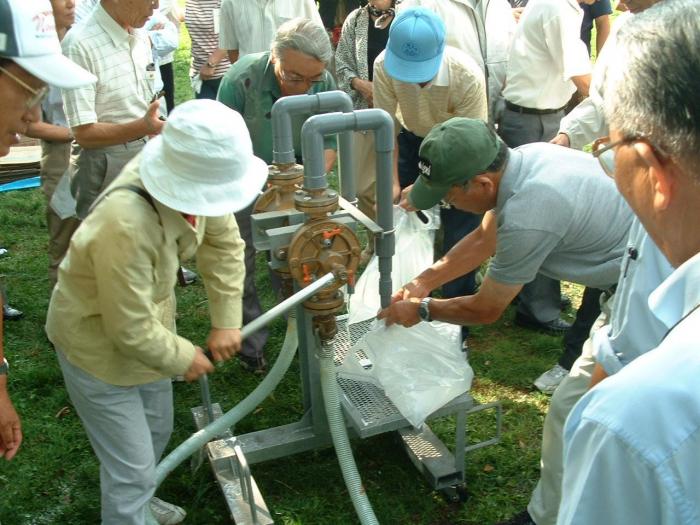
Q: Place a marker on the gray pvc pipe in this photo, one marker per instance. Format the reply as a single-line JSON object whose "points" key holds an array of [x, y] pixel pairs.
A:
{"points": [[325, 102], [382, 124], [233, 416]]}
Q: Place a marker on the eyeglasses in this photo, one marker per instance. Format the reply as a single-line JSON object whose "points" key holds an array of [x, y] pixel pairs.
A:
{"points": [[604, 150], [293, 78], [37, 94]]}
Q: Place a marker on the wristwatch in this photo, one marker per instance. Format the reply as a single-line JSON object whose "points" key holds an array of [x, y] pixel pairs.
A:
{"points": [[424, 309], [4, 367]]}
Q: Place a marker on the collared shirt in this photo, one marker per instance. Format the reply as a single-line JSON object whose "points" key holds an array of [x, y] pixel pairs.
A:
{"points": [[587, 122], [250, 26], [479, 29], [546, 52], [632, 443], [251, 88], [123, 65], [458, 90], [112, 312], [558, 214], [633, 329], [202, 18]]}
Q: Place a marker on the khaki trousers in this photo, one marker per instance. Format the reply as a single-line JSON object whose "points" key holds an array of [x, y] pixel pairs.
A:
{"points": [[95, 169], [55, 159], [544, 503]]}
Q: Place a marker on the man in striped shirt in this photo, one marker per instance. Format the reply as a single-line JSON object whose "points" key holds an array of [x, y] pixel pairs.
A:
{"points": [[111, 120]]}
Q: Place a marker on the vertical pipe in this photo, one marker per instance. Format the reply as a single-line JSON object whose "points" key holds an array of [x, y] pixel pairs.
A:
{"points": [[314, 177], [282, 139]]}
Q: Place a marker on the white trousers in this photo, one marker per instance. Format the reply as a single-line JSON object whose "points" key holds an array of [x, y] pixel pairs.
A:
{"points": [[128, 428]]}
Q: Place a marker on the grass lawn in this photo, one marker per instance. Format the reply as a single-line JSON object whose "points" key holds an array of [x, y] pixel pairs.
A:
{"points": [[55, 478]]}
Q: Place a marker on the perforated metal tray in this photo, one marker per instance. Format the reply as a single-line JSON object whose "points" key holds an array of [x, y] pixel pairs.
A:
{"points": [[366, 407]]}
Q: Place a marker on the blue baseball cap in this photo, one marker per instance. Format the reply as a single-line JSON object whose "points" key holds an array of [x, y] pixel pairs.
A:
{"points": [[416, 43]]}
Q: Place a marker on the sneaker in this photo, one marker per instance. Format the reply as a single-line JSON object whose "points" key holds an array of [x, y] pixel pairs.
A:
{"points": [[11, 314], [255, 365], [166, 513], [188, 276], [549, 381]]}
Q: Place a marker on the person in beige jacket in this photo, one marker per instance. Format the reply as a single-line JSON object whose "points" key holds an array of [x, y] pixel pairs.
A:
{"points": [[111, 316]]}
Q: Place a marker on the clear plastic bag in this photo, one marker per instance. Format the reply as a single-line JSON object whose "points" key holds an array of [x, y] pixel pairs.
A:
{"points": [[420, 369], [414, 253]]}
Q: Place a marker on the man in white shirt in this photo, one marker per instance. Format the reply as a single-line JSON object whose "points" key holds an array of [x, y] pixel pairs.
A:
{"points": [[632, 442], [547, 63], [250, 26], [112, 120]]}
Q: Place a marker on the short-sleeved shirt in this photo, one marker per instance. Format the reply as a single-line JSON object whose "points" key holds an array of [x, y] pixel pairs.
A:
{"points": [[458, 90], [123, 64], [251, 88], [558, 214], [202, 21], [590, 13], [250, 25], [631, 444], [545, 54]]}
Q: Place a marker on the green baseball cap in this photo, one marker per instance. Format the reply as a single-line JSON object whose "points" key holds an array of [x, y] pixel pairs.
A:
{"points": [[452, 153]]}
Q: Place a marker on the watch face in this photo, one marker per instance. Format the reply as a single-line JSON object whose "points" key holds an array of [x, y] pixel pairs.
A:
{"points": [[423, 310]]}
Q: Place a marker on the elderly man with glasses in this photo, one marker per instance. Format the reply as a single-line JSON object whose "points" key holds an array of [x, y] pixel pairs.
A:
{"points": [[30, 58], [295, 65], [631, 444], [112, 120], [546, 210]]}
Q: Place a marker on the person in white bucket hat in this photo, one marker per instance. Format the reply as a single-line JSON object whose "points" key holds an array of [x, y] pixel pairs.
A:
{"points": [[111, 316], [30, 58]]}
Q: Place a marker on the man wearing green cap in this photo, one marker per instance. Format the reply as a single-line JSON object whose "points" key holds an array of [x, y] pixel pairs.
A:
{"points": [[547, 210]]}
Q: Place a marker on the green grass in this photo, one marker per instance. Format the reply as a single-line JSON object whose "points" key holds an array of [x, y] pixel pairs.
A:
{"points": [[55, 478]]}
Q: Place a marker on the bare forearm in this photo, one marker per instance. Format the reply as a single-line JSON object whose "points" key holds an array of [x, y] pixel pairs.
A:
{"points": [[602, 31], [582, 83], [466, 310], [101, 134], [49, 132], [232, 55]]}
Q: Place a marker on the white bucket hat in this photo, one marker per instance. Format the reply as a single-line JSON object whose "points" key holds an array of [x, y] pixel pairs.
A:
{"points": [[203, 162], [28, 36]]}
